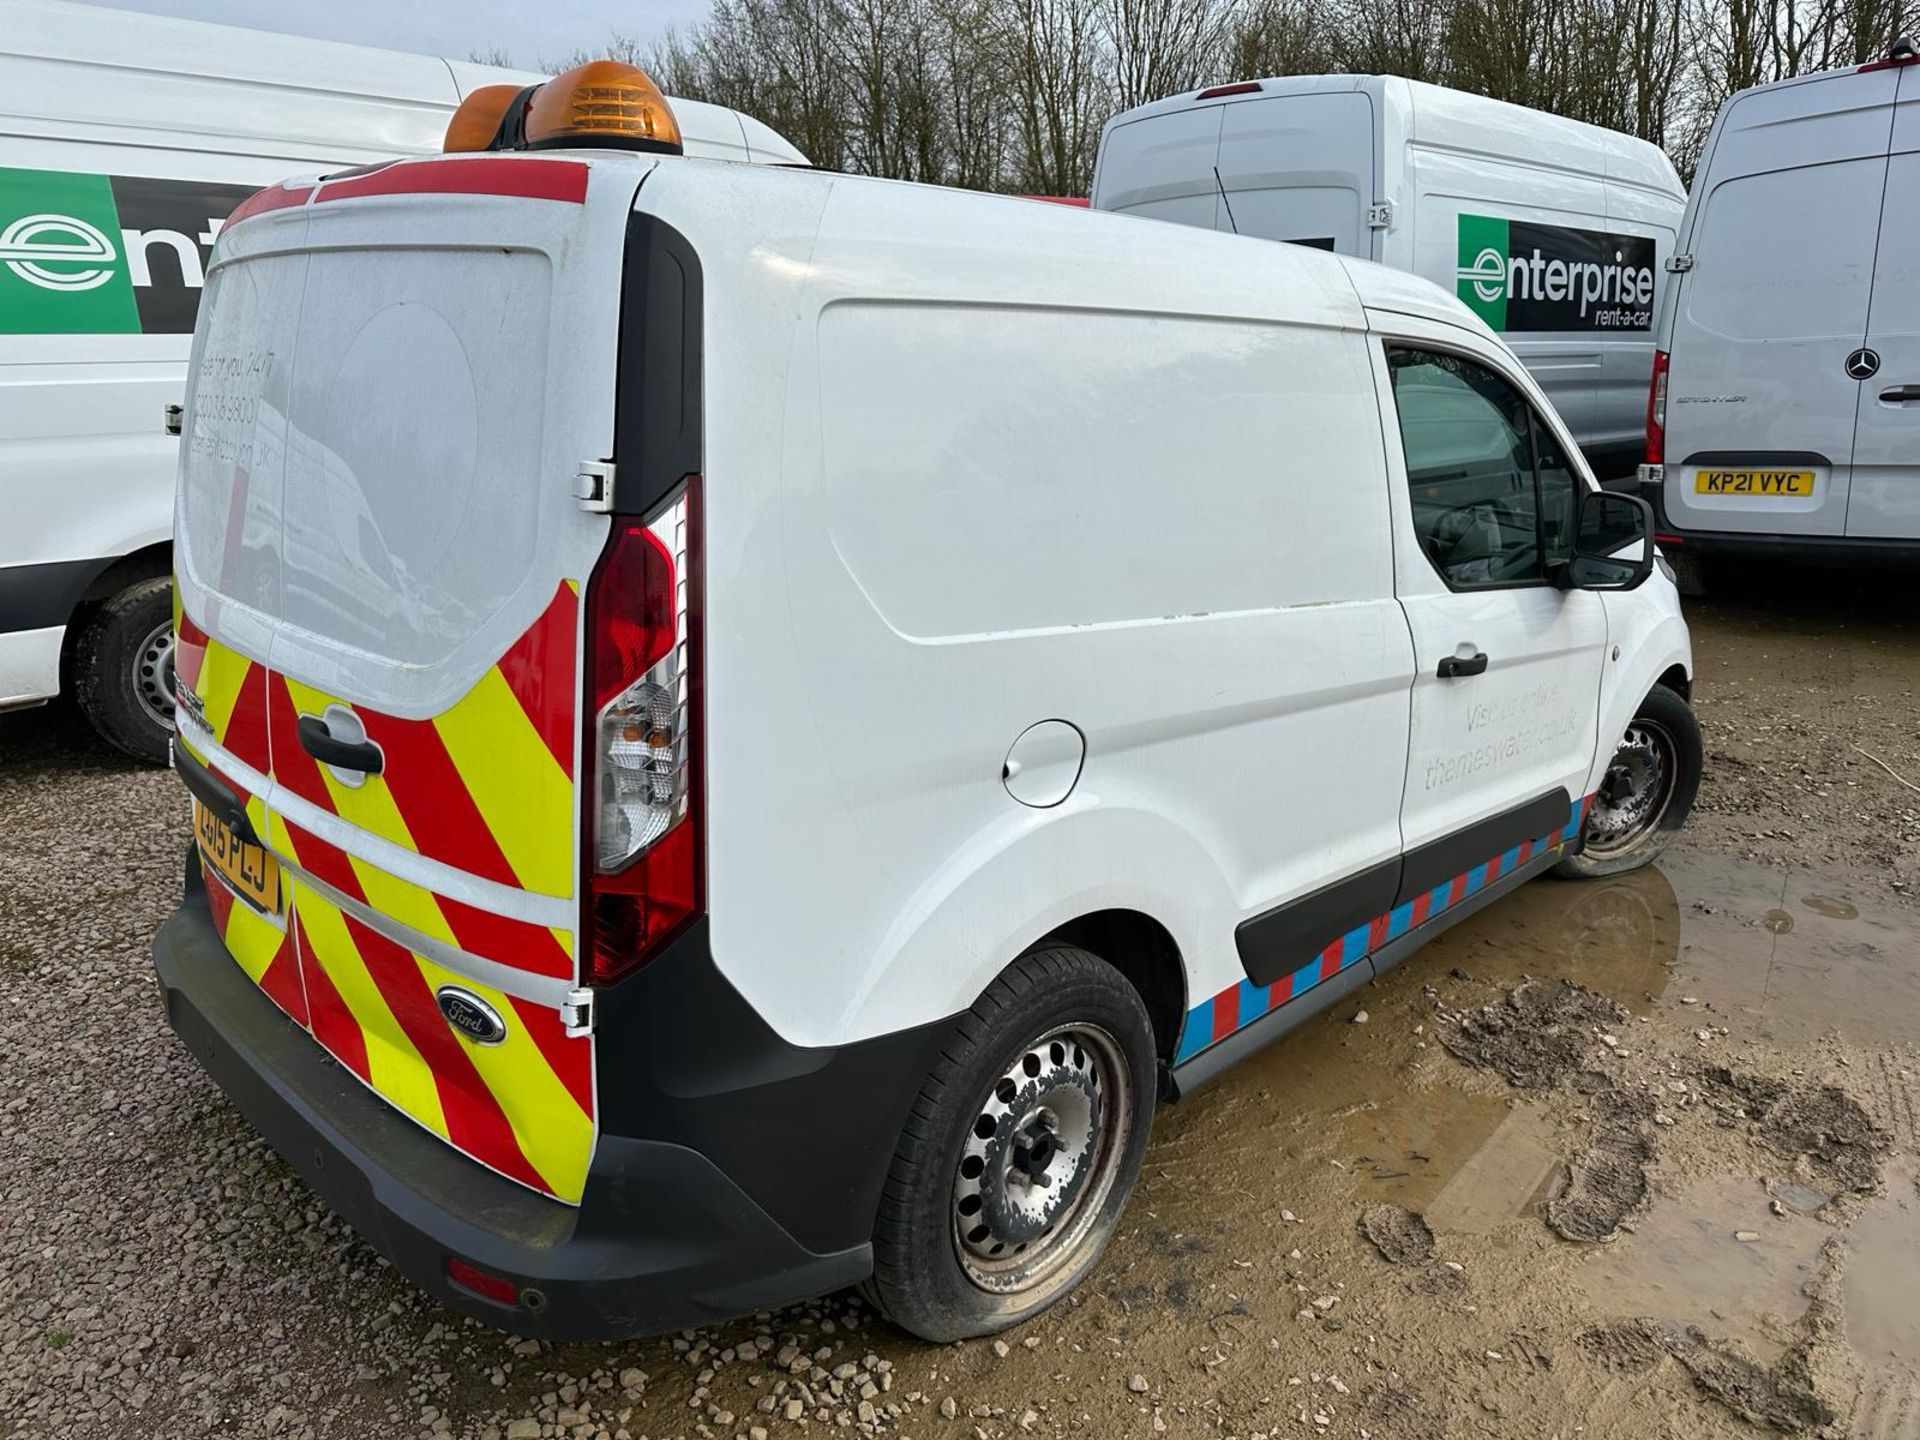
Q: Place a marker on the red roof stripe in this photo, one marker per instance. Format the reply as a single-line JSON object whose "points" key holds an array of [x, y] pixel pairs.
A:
{"points": [[564, 180], [274, 197]]}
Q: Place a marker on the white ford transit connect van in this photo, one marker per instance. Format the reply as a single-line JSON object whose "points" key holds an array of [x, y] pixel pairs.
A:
{"points": [[1785, 413], [745, 724], [125, 139], [1552, 231]]}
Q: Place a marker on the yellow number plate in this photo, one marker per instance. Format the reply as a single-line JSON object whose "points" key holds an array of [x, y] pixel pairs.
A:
{"points": [[1753, 482], [251, 870]]}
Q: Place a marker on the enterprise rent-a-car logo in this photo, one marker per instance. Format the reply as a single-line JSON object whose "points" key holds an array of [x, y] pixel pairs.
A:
{"points": [[1516, 275], [105, 254]]}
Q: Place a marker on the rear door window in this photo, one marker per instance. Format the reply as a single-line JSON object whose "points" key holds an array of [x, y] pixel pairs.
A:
{"points": [[1493, 491]]}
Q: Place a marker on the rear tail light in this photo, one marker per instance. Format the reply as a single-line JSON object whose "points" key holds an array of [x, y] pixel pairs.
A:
{"points": [[1657, 411], [645, 878]]}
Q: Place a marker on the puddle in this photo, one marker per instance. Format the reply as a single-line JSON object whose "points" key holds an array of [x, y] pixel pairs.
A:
{"points": [[1796, 952], [1682, 1266], [1510, 1174], [1882, 1286], [1831, 908]]}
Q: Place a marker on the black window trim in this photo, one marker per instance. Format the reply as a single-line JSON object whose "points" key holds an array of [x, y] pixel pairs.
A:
{"points": [[1388, 343]]}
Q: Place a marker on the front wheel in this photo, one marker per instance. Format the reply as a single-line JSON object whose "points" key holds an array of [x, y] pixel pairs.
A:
{"points": [[1020, 1151], [1647, 792]]}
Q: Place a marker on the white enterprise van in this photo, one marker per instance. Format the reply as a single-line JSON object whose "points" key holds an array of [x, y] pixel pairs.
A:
{"points": [[1552, 231], [1785, 412], [125, 139], [745, 724]]}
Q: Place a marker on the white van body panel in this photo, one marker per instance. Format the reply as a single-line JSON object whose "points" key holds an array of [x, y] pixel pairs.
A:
{"points": [[1318, 152], [1782, 229], [908, 390], [163, 105], [943, 597]]}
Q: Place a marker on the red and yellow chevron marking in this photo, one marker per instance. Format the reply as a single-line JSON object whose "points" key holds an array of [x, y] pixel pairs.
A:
{"points": [[263, 949], [523, 1107], [233, 696], [486, 785]]}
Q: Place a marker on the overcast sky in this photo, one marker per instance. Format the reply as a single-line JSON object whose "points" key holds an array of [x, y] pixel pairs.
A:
{"points": [[527, 29]]}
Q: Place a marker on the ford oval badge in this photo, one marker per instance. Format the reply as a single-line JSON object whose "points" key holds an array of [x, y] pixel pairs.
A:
{"points": [[470, 1015]]}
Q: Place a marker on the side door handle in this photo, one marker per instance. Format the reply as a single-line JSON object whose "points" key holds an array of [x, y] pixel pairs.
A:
{"points": [[321, 743], [1901, 394], [1455, 667]]}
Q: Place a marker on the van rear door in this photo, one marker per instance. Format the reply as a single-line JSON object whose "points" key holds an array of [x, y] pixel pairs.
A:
{"points": [[1300, 168], [1885, 498], [1760, 401], [448, 367], [1160, 166]]}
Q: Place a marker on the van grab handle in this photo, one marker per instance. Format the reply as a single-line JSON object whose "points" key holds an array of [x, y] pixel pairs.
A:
{"points": [[321, 743]]}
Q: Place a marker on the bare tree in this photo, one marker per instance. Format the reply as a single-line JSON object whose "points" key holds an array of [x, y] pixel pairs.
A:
{"points": [[1059, 89], [1011, 94], [1161, 47], [1280, 37]]}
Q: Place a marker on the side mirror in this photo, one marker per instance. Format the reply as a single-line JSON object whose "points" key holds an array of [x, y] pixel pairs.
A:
{"points": [[1612, 542]]}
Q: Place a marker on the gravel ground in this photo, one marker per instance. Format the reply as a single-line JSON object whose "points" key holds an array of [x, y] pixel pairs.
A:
{"points": [[163, 1274]]}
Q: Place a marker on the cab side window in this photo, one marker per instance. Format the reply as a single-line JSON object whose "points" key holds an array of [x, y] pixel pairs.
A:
{"points": [[1493, 490]]}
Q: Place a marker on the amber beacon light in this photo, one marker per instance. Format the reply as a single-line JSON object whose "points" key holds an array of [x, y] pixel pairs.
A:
{"points": [[477, 121], [602, 103]]}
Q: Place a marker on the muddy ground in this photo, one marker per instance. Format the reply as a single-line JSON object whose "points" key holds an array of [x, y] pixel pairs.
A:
{"points": [[1360, 1232]]}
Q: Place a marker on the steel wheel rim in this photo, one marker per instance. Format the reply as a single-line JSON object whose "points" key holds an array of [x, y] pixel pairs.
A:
{"points": [[1635, 791], [153, 675], [1015, 1229]]}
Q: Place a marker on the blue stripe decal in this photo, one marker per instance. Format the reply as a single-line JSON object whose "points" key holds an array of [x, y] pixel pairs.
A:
{"points": [[1250, 1002]]}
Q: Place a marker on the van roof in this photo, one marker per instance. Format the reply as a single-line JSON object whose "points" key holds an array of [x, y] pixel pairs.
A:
{"points": [[1457, 120], [171, 76], [1054, 254]]}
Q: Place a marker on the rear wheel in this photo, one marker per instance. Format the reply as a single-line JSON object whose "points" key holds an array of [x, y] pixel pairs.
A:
{"points": [[1647, 792], [123, 669], [1018, 1155]]}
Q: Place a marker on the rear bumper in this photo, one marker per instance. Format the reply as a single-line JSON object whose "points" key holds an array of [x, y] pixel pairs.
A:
{"points": [[1783, 545], [662, 1238]]}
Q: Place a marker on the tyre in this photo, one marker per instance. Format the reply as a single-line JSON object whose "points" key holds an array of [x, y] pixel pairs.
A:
{"points": [[1019, 1152], [123, 669], [1647, 792]]}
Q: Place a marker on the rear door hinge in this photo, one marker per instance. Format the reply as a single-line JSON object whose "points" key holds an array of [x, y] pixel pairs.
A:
{"points": [[1380, 215], [1679, 264], [576, 1012], [170, 419], [593, 485]]}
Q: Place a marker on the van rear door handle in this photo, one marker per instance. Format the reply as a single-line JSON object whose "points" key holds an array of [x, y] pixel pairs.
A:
{"points": [[1453, 667], [320, 742], [1901, 394]]}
